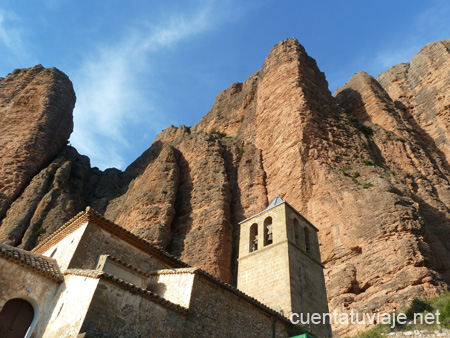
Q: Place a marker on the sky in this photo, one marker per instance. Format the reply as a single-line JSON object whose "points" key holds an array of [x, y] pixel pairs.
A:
{"points": [[141, 66]]}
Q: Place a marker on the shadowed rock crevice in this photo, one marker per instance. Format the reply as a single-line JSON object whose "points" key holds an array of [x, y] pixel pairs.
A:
{"points": [[233, 150], [182, 222], [54, 196]]}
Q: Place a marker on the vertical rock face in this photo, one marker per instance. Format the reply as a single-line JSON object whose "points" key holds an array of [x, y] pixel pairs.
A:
{"points": [[409, 251], [420, 89], [368, 166], [53, 196], [150, 197], [35, 122]]}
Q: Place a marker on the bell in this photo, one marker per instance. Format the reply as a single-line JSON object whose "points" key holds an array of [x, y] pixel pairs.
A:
{"points": [[255, 244]]}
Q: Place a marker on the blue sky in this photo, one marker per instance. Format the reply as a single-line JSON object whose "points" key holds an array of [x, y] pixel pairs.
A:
{"points": [[140, 66]]}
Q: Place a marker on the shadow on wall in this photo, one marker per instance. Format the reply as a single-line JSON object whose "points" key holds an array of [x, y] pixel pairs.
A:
{"points": [[158, 288]]}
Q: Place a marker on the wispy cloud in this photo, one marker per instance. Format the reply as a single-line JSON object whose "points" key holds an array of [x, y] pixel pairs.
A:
{"points": [[434, 21], [10, 36], [110, 99], [431, 25], [390, 57]]}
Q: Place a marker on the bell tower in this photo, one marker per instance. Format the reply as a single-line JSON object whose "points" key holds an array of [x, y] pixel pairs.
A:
{"points": [[279, 262]]}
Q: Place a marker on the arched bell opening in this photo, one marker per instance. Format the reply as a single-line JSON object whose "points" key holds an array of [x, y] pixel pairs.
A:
{"points": [[253, 237], [268, 231]]}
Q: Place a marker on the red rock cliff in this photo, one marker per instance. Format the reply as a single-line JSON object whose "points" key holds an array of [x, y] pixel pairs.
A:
{"points": [[368, 166]]}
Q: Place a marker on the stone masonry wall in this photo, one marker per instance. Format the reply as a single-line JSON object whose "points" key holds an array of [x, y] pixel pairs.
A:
{"points": [[264, 273], [70, 306], [218, 312], [308, 290], [116, 312], [19, 282], [123, 271], [314, 250], [279, 230], [284, 275], [173, 285], [307, 283], [96, 242], [65, 248]]}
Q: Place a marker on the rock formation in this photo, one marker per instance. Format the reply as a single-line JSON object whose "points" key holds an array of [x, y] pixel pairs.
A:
{"points": [[369, 166]]}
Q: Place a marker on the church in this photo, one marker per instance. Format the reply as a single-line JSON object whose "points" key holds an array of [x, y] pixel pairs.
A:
{"points": [[92, 278]]}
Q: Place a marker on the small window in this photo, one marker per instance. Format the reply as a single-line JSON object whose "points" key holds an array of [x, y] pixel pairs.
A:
{"points": [[297, 232], [253, 237], [53, 253], [268, 231], [307, 244]]}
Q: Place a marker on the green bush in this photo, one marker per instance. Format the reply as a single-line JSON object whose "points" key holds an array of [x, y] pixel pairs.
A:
{"points": [[353, 120], [367, 163], [446, 310], [376, 332], [417, 306], [388, 173], [366, 130], [442, 304], [298, 329], [355, 181], [345, 170], [39, 231]]}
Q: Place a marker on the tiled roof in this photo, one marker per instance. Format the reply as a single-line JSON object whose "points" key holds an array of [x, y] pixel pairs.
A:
{"points": [[40, 264], [276, 201]]}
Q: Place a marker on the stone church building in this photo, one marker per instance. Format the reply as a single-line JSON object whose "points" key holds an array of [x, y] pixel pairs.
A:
{"points": [[92, 278]]}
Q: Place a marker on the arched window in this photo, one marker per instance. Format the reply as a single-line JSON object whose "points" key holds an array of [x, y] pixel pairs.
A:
{"points": [[253, 237], [307, 244], [297, 232], [268, 235], [16, 318]]}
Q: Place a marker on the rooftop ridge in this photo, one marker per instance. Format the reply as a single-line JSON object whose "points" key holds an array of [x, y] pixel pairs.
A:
{"points": [[76, 220], [276, 201], [127, 265], [173, 271], [97, 274], [91, 215]]}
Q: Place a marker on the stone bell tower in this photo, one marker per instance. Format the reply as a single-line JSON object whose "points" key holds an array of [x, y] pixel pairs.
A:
{"points": [[279, 262]]}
